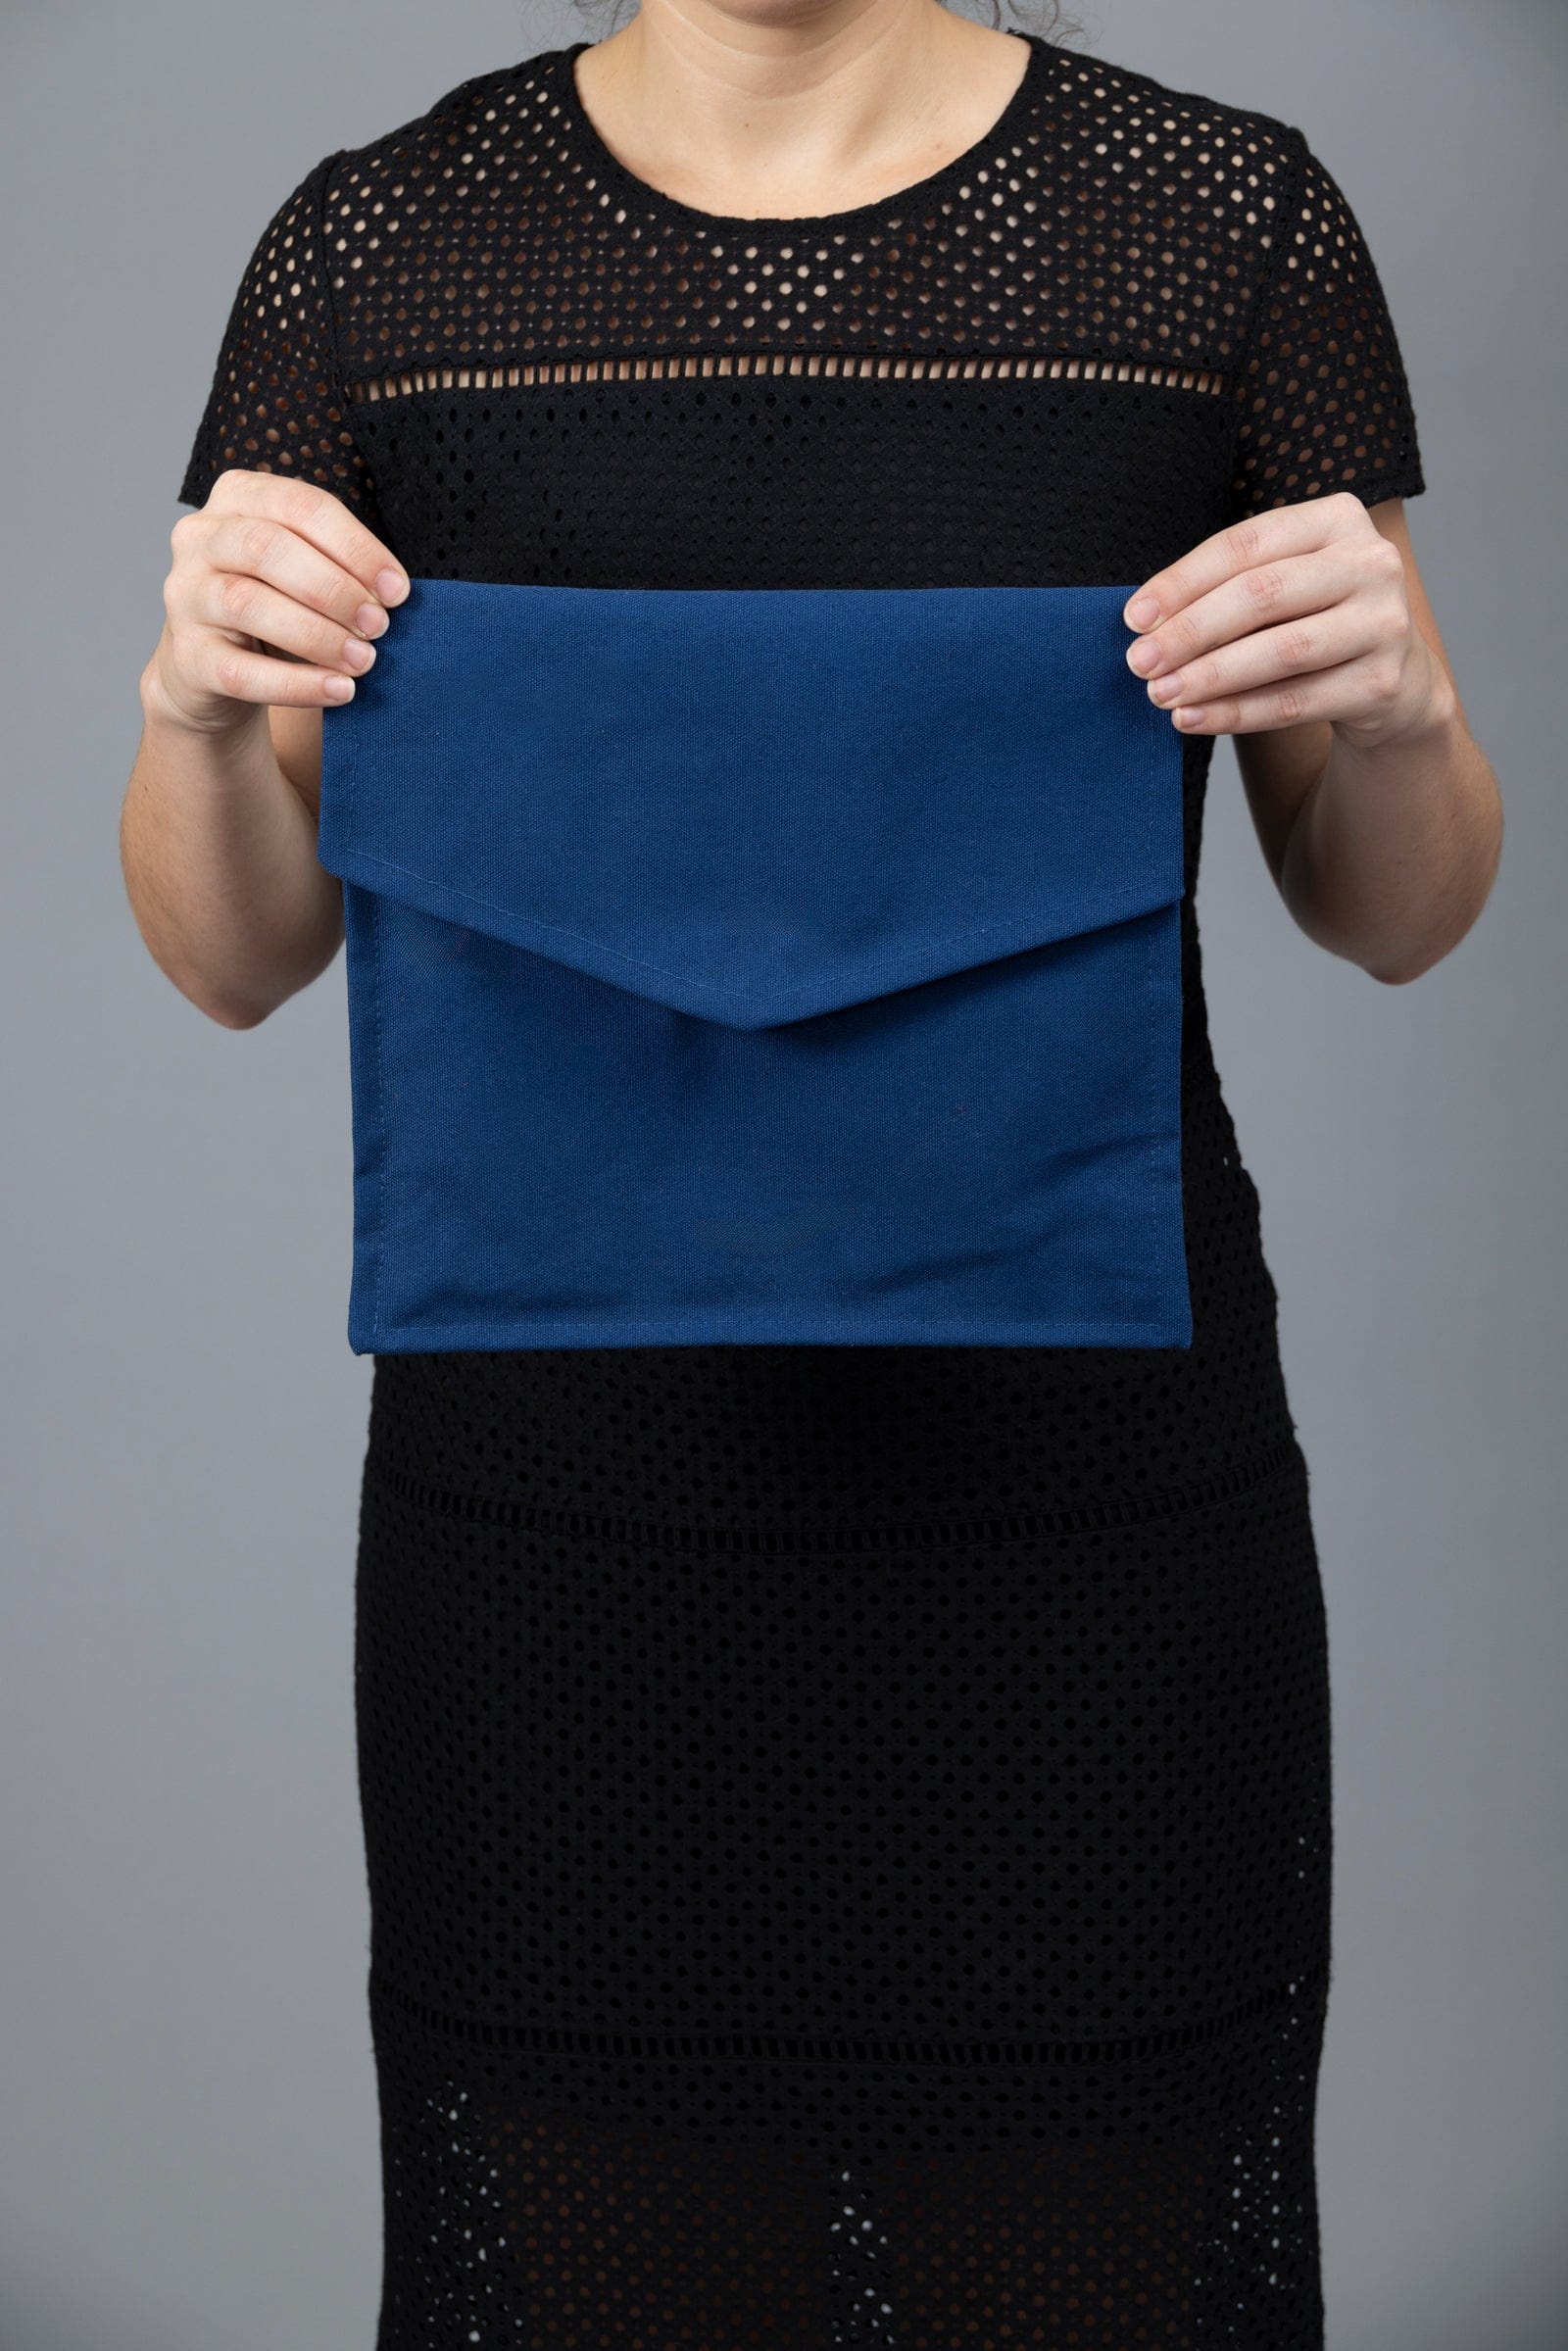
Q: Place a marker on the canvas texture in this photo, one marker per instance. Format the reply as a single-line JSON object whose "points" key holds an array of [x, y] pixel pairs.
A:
{"points": [[760, 965]]}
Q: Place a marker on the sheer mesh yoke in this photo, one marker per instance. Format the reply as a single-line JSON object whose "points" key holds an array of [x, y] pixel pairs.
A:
{"points": [[848, 1829]]}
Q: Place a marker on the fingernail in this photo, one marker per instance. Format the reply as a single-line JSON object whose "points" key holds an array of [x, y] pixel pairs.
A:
{"points": [[356, 654], [370, 619], [1190, 713], [1143, 656], [338, 688], [1141, 611], [1165, 689], [391, 586]]}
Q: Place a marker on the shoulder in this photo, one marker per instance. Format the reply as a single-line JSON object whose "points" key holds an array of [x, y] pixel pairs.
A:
{"points": [[475, 130], [1220, 167], [1134, 104]]}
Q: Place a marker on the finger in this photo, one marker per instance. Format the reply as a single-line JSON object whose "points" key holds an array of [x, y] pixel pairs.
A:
{"points": [[1322, 640], [261, 547], [1294, 588], [1345, 692], [1266, 538], [236, 600], [316, 515], [222, 667]]}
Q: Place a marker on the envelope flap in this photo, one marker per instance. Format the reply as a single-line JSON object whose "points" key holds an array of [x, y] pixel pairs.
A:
{"points": [[757, 805]]}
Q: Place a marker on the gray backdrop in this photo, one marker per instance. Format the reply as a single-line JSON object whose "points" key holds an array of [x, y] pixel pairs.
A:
{"points": [[186, 2097]]}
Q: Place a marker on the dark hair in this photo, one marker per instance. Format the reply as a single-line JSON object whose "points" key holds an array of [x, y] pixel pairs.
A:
{"points": [[1034, 15]]}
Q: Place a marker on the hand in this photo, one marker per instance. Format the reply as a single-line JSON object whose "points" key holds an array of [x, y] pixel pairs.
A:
{"points": [[273, 596], [1297, 613]]}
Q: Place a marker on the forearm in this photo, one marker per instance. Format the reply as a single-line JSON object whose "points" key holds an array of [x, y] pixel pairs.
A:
{"points": [[1394, 848], [218, 855]]}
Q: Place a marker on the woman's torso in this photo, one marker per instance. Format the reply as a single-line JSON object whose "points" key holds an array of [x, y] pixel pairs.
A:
{"points": [[1023, 370]]}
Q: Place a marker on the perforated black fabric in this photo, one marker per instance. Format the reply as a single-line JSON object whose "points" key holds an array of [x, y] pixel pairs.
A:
{"points": [[1107, 220], [848, 1829]]}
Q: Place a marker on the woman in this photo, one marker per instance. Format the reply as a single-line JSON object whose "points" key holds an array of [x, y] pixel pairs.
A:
{"points": [[848, 1827]]}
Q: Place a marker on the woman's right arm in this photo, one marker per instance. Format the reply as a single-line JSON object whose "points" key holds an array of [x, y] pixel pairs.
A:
{"points": [[272, 601]]}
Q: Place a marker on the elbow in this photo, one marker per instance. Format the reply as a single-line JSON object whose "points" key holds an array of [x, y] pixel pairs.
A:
{"points": [[226, 1009], [224, 1006], [1400, 974], [1398, 971], [235, 1017], [233, 1007]]}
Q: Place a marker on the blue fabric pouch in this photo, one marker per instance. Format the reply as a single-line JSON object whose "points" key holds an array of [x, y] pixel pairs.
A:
{"points": [[764, 966]]}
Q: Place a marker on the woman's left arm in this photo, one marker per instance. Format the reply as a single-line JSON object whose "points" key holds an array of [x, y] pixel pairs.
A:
{"points": [[1305, 632]]}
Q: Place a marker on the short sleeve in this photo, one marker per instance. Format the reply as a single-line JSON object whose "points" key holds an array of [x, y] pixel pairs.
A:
{"points": [[1323, 402], [277, 402]]}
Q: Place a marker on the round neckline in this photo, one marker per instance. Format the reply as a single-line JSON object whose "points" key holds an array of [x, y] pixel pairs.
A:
{"points": [[608, 166]]}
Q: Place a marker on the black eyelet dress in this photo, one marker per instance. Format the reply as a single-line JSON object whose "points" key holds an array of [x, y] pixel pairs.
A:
{"points": [[847, 1828]]}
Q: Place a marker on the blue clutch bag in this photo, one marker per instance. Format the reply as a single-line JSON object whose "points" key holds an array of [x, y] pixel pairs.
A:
{"points": [[761, 965]]}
